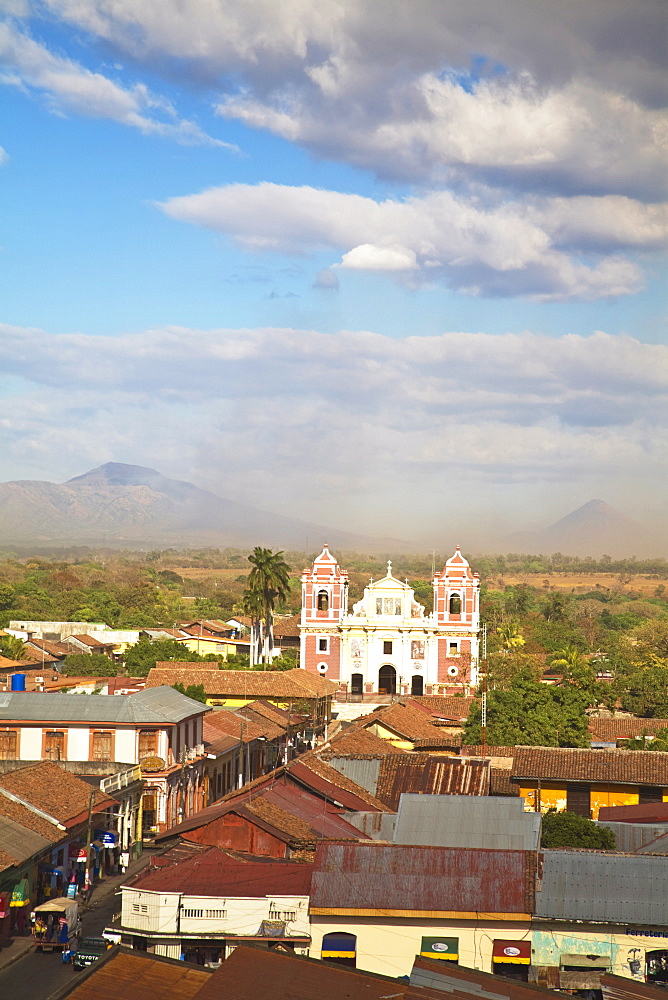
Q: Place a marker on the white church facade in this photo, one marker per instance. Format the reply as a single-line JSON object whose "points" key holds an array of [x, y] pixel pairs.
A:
{"points": [[387, 644]]}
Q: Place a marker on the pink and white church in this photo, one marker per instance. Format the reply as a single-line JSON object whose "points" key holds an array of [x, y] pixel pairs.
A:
{"points": [[387, 644]]}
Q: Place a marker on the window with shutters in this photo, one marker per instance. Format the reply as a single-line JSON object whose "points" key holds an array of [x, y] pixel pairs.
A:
{"points": [[148, 743], [578, 800], [54, 745], [9, 745], [102, 746]]}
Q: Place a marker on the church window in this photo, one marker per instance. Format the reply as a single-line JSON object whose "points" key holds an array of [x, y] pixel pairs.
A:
{"points": [[387, 647], [323, 600], [323, 644], [455, 604], [453, 649]]}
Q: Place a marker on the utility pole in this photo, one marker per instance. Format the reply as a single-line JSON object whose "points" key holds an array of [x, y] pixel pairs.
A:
{"points": [[89, 836], [484, 691]]}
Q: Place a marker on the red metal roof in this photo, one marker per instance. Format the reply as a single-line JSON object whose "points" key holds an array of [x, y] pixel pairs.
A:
{"points": [[333, 785], [377, 876], [214, 872]]}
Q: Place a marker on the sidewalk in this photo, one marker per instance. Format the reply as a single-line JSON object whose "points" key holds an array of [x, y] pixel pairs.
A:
{"points": [[21, 946]]}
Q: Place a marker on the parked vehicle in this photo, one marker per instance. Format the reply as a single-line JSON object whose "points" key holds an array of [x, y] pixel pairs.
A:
{"points": [[56, 925], [89, 950]]}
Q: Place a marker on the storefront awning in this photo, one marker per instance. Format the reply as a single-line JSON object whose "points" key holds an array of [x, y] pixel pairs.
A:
{"points": [[338, 946], [21, 893], [512, 952], [585, 961], [440, 947]]}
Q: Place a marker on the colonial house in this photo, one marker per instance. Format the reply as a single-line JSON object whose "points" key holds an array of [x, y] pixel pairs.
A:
{"points": [[201, 907], [159, 729], [583, 781], [387, 643]]}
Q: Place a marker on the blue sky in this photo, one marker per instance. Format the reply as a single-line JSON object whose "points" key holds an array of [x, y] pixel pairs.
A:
{"points": [[382, 271]]}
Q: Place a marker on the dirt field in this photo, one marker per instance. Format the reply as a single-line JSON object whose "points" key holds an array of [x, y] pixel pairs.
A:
{"points": [[580, 583]]}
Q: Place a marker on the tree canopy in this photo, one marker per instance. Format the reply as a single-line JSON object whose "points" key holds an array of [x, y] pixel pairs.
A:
{"points": [[268, 584], [529, 713], [567, 829], [144, 655]]}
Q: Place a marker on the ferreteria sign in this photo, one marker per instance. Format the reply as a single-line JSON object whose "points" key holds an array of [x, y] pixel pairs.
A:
{"points": [[636, 933]]}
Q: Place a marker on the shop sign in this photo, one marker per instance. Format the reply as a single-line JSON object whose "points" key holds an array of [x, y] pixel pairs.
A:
{"points": [[636, 933], [153, 763], [512, 952], [81, 856], [440, 947]]}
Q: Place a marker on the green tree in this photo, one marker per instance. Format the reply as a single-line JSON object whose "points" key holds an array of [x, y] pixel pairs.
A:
{"points": [[89, 665], [12, 648], [650, 741], [510, 635], [567, 829], [144, 655], [268, 584], [529, 713], [194, 691]]}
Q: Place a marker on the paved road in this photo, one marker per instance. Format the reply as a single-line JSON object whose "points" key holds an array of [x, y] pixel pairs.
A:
{"points": [[38, 975]]}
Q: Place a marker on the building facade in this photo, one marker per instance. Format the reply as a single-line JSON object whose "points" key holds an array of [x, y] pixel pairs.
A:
{"points": [[386, 643]]}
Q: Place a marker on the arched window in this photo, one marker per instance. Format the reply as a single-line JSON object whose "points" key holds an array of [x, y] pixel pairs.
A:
{"points": [[323, 600], [455, 604], [339, 947], [387, 679]]}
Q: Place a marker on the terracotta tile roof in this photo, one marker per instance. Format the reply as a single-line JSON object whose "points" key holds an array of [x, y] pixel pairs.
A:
{"points": [[55, 649], [287, 626], [272, 814], [408, 721], [284, 684], [271, 712], [332, 782], [446, 739], [357, 743], [29, 820], [270, 729], [54, 790], [427, 775], [500, 783], [223, 722], [215, 872], [610, 730], [445, 707], [123, 974], [470, 750], [634, 767]]}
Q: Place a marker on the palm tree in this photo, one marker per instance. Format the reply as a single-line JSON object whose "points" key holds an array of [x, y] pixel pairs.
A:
{"points": [[511, 637], [268, 583]]}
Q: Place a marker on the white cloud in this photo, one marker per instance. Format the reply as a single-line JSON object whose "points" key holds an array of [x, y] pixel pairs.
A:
{"points": [[475, 247], [434, 90], [70, 87], [349, 423]]}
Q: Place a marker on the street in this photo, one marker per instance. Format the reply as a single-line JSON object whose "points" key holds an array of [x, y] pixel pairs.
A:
{"points": [[37, 975]]}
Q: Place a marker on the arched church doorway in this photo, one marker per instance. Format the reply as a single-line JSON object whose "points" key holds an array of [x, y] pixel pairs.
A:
{"points": [[387, 679], [356, 683], [417, 684]]}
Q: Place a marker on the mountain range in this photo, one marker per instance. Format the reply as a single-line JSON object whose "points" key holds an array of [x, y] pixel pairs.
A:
{"points": [[130, 506], [134, 507]]}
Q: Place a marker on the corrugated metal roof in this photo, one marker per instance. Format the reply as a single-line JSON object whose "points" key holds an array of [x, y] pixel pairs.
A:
{"points": [[633, 837], [467, 821], [606, 887], [19, 842], [431, 776], [362, 770], [162, 704], [378, 826], [122, 974], [371, 875], [455, 981], [621, 988], [329, 782]]}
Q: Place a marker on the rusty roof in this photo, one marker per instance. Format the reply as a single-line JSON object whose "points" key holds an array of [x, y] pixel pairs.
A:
{"points": [[500, 783], [256, 974], [430, 776], [635, 767], [122, 974], [270, 730], [224, 722], [287, 626], [323, 778], [622, 988], [215, 872], [377, 876], [610, 730], [459, 983]]}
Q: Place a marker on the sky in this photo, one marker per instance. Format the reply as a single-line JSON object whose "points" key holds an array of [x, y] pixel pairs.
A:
{"points": [[384, 266]]}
